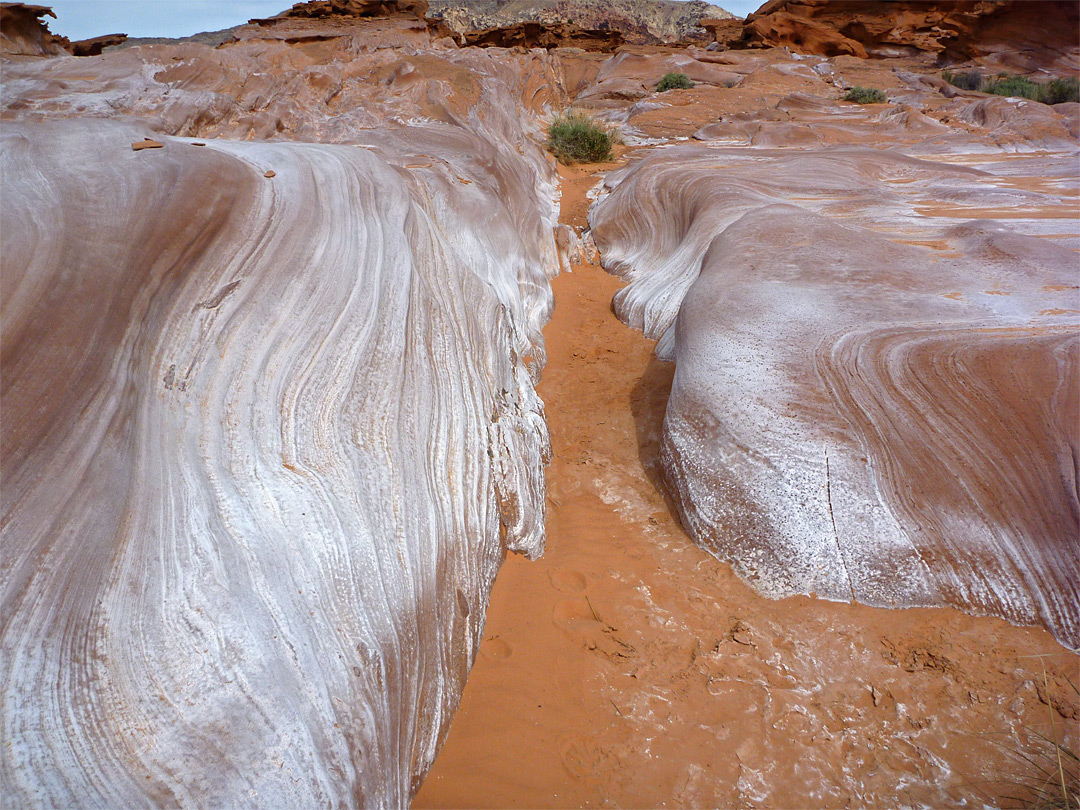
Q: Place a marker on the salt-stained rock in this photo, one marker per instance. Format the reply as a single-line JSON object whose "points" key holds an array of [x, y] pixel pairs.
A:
{"points": [[264, 441], [875, 397]]}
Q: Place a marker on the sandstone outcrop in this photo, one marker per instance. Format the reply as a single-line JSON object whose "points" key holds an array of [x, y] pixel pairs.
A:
{"points": [[638, 21], [269, 419], [23, 32], [545, 35], [1033, 33], [95, 45], [725, 32], [270, 333], [322, 9], [876, 388]]}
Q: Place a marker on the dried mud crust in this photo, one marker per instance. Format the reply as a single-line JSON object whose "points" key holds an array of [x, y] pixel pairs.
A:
{"points": [[629, 668]]}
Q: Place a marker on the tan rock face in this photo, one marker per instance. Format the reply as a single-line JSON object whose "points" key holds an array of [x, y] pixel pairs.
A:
{"points": [[269, 422], [871, 353], [269, 419], [545, 35], [1021, 35], [876, 348], [23, 32], [321, 9], [95, 45], [638, 21]]}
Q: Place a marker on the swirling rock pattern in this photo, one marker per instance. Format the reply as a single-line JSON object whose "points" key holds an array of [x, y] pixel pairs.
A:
{"points": [[1020, 35], [269, 421], [875, 396]]}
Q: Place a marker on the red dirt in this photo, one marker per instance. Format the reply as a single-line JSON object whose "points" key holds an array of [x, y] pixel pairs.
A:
{"points": [[629, 668]]}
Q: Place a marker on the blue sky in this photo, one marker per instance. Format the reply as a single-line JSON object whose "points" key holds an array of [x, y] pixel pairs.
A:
{"points": [[82, 19]]}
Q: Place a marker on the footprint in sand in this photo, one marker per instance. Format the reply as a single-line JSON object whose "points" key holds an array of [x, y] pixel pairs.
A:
{"points": [[583, 757], [496, 649], [567, 580], [571, 614]]}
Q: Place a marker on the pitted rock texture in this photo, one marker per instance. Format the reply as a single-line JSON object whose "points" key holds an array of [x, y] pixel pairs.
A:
{"points": [[545, 35], [875, 395], [638, 21], [268, 413]]}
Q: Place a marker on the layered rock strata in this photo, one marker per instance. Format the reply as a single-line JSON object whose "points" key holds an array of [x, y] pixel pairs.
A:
{"points": [[876, 386], [1019, 34], [545, 35], [22, 32], [269, 419], [638, 21]]}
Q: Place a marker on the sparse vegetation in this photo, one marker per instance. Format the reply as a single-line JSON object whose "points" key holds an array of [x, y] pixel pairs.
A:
{"points": [[969, 80], [1014, 87], [865, 95], [1055, 91], [1047, 769], [1059, 91], [674, 81], [576, 138], [1051, 770]]}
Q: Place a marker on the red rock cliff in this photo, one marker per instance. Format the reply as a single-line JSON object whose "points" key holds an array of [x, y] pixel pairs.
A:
{"points": [[952, 29]]}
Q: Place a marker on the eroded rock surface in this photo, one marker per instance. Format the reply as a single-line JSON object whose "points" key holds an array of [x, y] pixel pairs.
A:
{"points": [[545, 35], [22, 32], [637, 21], [269, 419], [876, 348], [1020, 34], [95, 45]]}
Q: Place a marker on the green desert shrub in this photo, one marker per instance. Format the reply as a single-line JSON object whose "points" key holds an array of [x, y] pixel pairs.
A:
{"points": [[968, 80], [1061, 90], [1015, 86], [1054, 91], [865, 95], [576, 138], [674, 81]]}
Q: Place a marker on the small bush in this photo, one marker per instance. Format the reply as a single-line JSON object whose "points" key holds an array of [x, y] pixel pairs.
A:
{"points": [[969, 80], [674, 81], [1055, 91], [1015, 87], [865, 95], [575, 138], [1062, 90]]}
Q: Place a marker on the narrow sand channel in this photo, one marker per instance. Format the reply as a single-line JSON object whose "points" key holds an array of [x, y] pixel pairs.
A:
{"points": [[628, 668]]}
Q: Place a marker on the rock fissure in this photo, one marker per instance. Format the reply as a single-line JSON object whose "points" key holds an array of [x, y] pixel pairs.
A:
{"points": [[275, 408]]}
